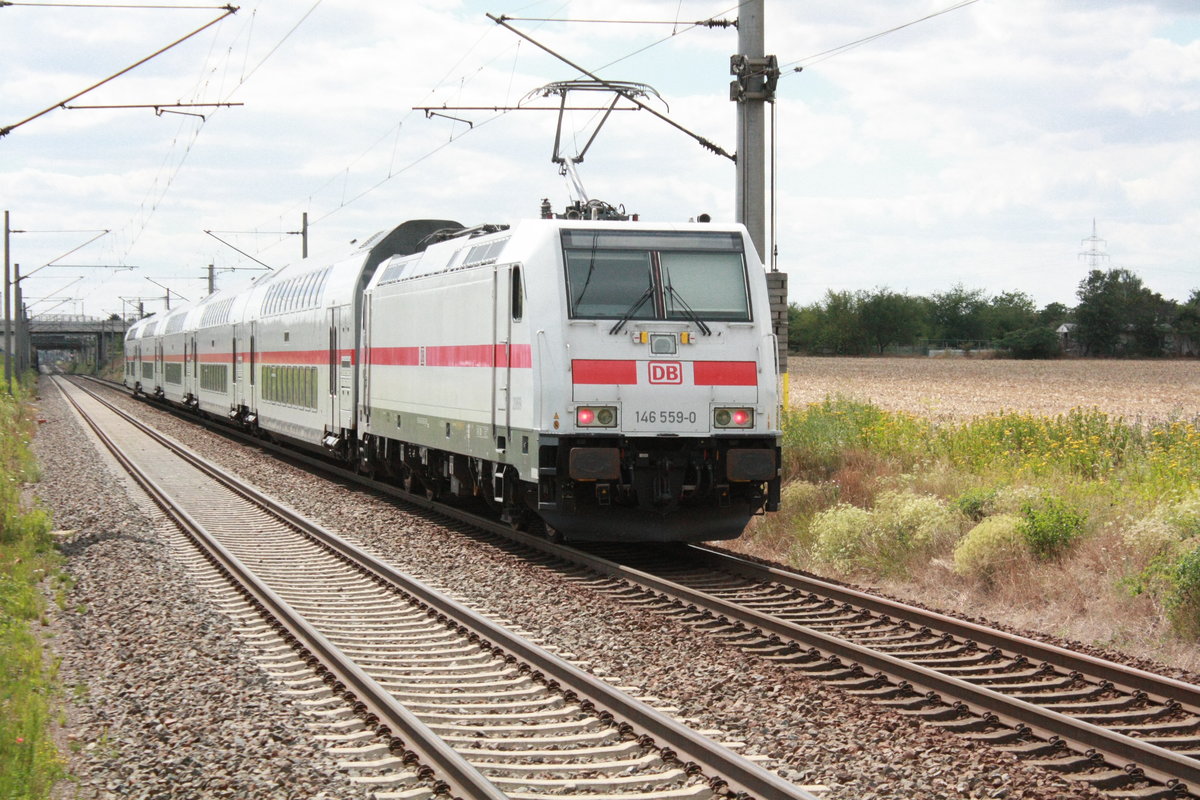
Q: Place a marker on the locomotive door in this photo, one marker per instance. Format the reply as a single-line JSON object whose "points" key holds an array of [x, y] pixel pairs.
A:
{"points": [[364, 393], [501, 338]]}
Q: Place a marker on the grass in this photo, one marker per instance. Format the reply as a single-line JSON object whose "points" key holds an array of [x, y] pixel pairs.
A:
{"points": [[29, 763], [1006, 508]]}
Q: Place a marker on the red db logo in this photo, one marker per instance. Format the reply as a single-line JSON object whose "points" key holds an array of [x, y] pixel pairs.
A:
{"points": [[666, 372]]}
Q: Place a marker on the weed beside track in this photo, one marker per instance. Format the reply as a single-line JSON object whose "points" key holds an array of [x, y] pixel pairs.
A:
{"points": [[29, 763], [1080, 522]]}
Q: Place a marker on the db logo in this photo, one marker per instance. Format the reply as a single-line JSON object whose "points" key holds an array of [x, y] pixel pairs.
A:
{"points": [[666, 372]]}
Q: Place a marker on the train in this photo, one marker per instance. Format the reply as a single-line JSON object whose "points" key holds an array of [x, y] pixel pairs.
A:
{"points": [[614, 378]]}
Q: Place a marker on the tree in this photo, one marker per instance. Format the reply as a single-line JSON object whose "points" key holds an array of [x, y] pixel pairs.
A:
{"points": [[890, 318], [1053, 315], [1187, 324], [959, 314], [841, 331], [1008, 312], [803, 327], [1117, 313]]}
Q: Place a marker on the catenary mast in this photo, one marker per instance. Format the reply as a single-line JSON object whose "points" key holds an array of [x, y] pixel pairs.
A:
{"points": [[755, 75]]}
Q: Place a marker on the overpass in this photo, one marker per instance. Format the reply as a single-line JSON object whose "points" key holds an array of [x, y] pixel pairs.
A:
{"points": [[91, 339]]}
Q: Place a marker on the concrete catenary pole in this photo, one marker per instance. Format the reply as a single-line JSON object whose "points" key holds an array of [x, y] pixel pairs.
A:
{"points": [[756, 75], [7, 317], [748, 92], [19, 364]]}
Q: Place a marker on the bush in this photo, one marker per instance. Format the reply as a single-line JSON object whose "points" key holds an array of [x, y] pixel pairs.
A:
{"points": [[1183, 601], [1031, 343], [1149, 537], [1159, 532], [994, 546], [1050, 526], [1169, 541], [884, 539], [977, 503], [802, 497], [841, 536], [905, 522], [789, 530], [1184, 517]]}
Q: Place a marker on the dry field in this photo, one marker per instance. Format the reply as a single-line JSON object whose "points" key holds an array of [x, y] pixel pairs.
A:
{"points": [[948, 389]]}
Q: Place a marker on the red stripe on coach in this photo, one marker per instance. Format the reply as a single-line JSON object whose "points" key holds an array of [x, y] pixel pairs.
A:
{"points": [[454, 355], [395, 356], [725, 373], [291, 357], [601, 371]]}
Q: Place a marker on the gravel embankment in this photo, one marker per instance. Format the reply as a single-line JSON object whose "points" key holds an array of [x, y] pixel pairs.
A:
{"points": [[161, 700], [817, 734]]}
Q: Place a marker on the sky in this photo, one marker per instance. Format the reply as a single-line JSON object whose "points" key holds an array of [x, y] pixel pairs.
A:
{"points": [[977, 147]]}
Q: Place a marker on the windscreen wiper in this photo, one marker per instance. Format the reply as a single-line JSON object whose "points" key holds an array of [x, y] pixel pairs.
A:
{"points": [[688, 310], [641, 301]]}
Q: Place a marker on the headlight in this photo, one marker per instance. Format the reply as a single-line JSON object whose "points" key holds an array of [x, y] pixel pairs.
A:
{"points": [[596, 417], [733, 418]]}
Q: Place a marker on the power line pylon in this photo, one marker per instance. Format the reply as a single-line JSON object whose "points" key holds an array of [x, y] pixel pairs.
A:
{"points": [[1095, 255]]}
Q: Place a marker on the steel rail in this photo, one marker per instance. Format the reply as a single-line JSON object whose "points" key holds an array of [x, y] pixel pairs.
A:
{"points": [[415, 737], [1157, 763], [734, 772], [1131, 679]]}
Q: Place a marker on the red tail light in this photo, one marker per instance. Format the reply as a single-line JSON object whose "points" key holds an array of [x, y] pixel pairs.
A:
{"points": [[733, 418], [596, 417]]}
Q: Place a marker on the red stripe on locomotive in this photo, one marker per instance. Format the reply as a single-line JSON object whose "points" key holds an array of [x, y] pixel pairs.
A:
{"points": [[725, 373]]}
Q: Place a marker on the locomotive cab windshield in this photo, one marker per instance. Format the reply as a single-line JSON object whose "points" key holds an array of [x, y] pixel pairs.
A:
{"points": [[626, 275]]}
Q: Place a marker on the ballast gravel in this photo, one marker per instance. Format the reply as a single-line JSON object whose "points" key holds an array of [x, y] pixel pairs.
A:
{"points": [[160, 698], [810, 733]]}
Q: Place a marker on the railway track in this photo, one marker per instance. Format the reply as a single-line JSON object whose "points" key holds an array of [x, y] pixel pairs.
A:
{"points": [[1125, 731], [442, 701]]}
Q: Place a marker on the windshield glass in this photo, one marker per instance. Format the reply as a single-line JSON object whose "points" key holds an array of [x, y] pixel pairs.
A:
{"points": [[606, 283], [712, 285], [693, 275]]}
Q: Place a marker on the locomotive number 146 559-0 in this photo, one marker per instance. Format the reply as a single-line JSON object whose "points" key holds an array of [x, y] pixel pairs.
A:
{"points": [[666, 417]]}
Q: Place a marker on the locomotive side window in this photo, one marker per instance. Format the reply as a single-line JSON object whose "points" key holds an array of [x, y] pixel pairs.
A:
{"points": [[518, 301], [656, 275]]}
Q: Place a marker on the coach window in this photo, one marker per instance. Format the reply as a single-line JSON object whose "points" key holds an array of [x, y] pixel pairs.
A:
{"points": [[310, 290], [518, 301]]}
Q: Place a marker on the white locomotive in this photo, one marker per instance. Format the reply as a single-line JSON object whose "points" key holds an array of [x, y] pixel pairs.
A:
{"points": [[615, 378]]}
